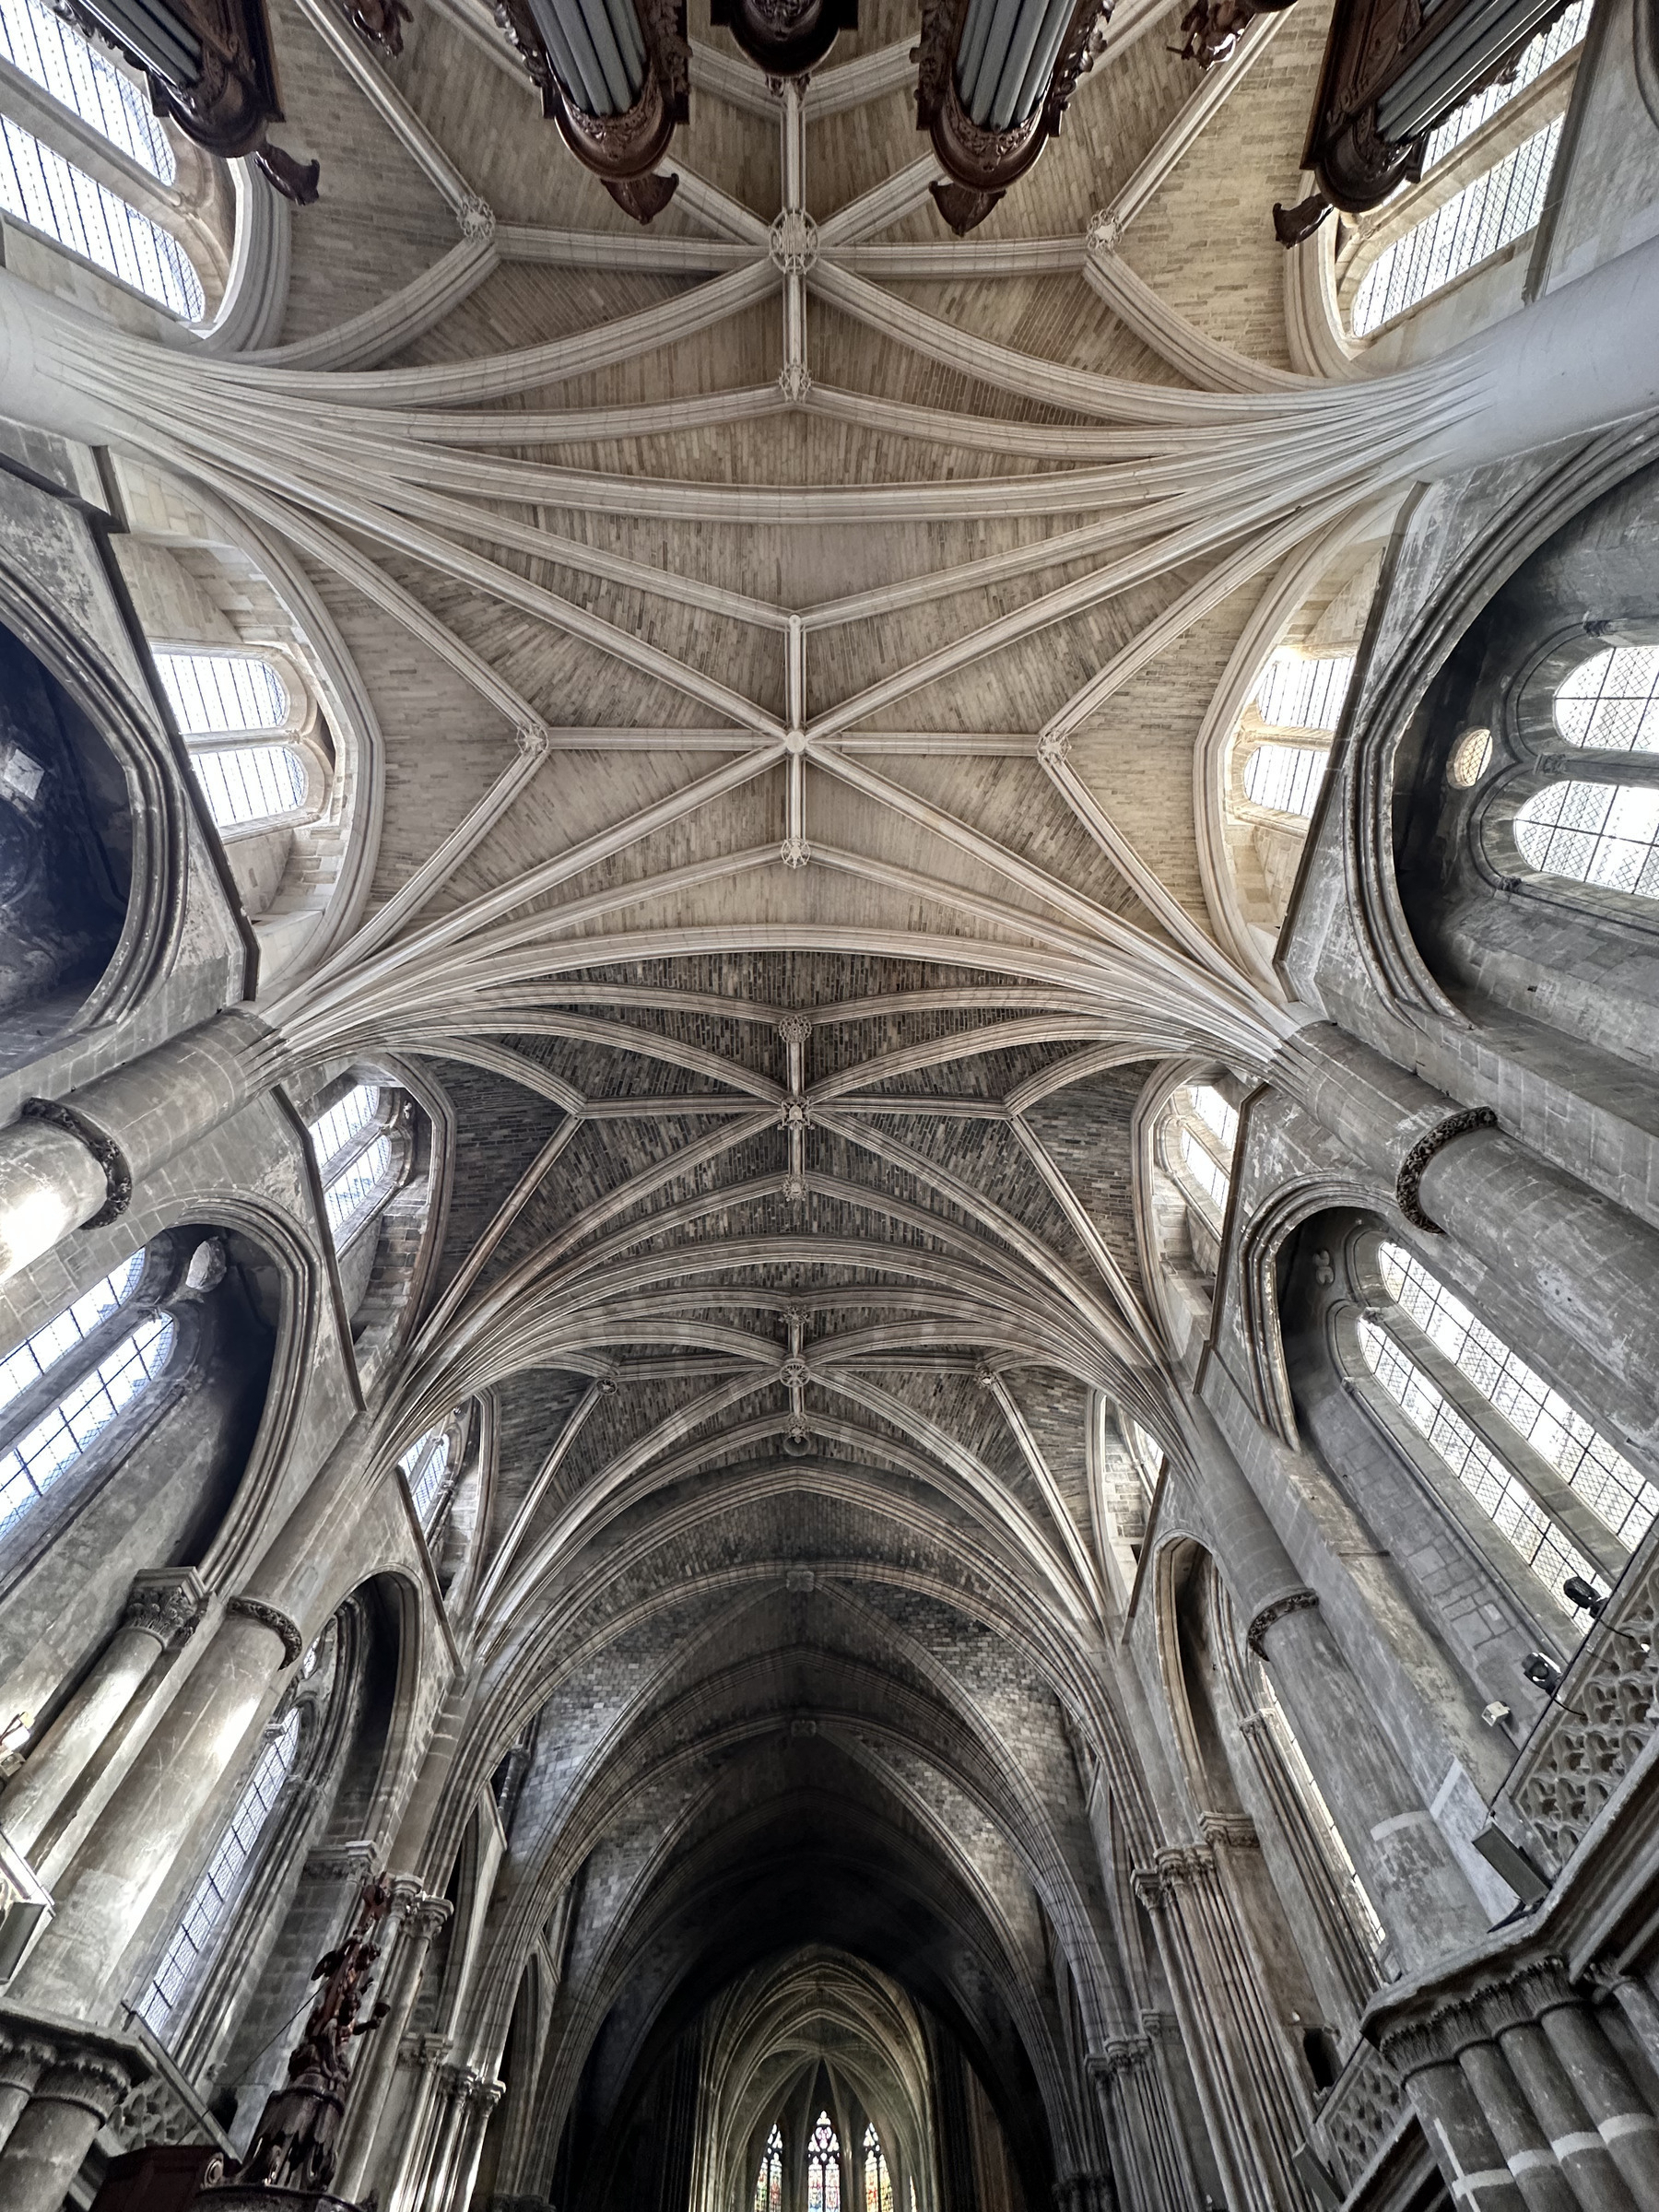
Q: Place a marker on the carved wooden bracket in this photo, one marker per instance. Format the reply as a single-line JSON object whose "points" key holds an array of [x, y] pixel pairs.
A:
{"points": [[621, 150]]}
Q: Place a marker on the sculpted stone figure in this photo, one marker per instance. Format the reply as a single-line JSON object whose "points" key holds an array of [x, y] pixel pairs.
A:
{"points": [[294, 2144]]}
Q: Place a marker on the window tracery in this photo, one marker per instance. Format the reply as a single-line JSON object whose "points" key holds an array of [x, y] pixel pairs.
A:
{"points": [[823, 2167], [98, 1369], [1600, 834], [877, 2181], [768, 2182], [425, 1466], [41, 185]]}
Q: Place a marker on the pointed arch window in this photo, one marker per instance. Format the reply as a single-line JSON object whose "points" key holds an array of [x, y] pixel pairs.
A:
{"points": [[1604, 834], [67, 1383], [1528, 1459], [234, 695], [877, 2181], [823, 2167], [1205, 1130], [1286, 779], [769, 2180], [192, 1940], [1299, 692], [1355, 1898], [425, 1466], [41, 186], [1495, 208], [352, 1146]]}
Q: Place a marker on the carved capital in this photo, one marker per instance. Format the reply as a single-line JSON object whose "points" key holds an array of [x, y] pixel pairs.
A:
{"points": [[428, 1916], [274, 1618], [111, 1159], [1236, 1831], [341, 1862], [1409, 1182], [1277, 1609], [166, 1603]]}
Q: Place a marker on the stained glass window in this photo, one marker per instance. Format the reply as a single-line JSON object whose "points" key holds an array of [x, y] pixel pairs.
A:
{"points": [[768, 2182], [823, 2168], [877, 2181]]}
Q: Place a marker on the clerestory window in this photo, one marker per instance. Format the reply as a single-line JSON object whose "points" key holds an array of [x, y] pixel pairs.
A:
{"points": [[426, 1468], [823, 2167], [42, 186], [877, 2181], [769, 2180], [195, 1938], [1204, 1130], [69, 1382], [351, 1143], [218, 696], [1528, 1458], [1492, 210]]}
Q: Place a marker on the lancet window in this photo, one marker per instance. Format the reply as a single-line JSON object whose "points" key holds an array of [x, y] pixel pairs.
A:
{"points": [[425, 1469], [1500, 204], [225, 695], [1562, 1493], [769, 2180], [72, 1380], [823, 2167], [351, 1143], [877, 2179], [195, 1937], [1357, 1909], [90, 110], [1204, 1129]]}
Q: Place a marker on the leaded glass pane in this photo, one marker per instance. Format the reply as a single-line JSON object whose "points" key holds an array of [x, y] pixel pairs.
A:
{"points": [[61, 62], [1605, 834], [1497, 208], [39, 188], [33, 1464], [1608, 704]]}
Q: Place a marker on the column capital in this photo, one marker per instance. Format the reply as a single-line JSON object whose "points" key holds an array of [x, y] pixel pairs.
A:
{"points": [[166, 1603]]}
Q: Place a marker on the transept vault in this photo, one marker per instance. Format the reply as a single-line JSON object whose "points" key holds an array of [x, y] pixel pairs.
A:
{"points": [[828, 1197]]}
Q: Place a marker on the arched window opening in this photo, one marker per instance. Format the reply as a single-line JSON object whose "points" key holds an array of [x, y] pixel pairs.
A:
{"points": [[425, 1466], [353, 1153], [877, 2181], [1206, 1129], [247, 784], [1491, 211], [1285, 778], [1587, 1461], [1485, 215], [98, 1369], [1345, 1876], [1300, 692], [823, 2168], [1604, 834], [216, 694], [221, 1879], [62, 62], [50, 195], [43, 185], [1610, 703], [769, 2180]]}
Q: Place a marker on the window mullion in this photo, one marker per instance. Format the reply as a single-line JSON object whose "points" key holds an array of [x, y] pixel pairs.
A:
{"points": [[33, 1403], [1597, 764], [1549, 1489], [341, 1163]]}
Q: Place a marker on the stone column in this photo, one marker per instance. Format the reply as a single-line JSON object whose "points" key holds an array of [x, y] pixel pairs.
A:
{"points": [[163, 1608], [417, 1919], [24, 2057], [75, 2095], [85, 1959], [73, 1159], [1235, 2046], [1146, 2148], [481, 2099], [1579, 1259]]}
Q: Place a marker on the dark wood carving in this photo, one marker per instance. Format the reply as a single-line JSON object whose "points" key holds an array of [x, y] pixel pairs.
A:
{"points": [[982, 164], [293, 2147], [210, 68], [621, 150], [1372, 46], [785, 38], [378, 22], [1212, 27]]}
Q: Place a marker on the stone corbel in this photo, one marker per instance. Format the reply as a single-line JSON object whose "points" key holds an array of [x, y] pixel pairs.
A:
{"points": [[1275, 1610], [1409, 1184], [274, 1618]]}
